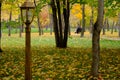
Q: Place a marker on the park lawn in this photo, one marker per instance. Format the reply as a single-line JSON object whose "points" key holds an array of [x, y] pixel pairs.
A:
{"points": [[49, 62]]}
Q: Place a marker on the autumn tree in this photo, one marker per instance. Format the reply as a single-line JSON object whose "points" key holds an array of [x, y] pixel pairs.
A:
{"points": [[83, 17], [60, 30], [39, 4], [96, 40]]}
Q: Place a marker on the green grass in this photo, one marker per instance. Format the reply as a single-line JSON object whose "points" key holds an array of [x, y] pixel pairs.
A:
{"points": [[49, 62], [17, 30], [49, 40]]}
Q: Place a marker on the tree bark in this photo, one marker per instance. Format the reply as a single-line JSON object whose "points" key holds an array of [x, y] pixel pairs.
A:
{"points": [[54, 11], [60, 23], [83, 20], [66, 12], [96, 40]]}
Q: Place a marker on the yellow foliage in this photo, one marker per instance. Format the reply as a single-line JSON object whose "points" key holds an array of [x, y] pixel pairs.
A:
{"points": [[79, 16], [76, 11], [88, 10]]}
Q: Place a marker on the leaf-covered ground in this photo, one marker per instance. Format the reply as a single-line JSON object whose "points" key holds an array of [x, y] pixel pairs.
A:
{"points": [[58, 64], [50, 63]]}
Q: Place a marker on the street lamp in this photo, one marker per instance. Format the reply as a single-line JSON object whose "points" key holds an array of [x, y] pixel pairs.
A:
{"points": [[27, 14]]}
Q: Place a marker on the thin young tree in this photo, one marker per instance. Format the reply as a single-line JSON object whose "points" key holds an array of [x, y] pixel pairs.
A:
{"points": [[96, 40], [83, 20]]}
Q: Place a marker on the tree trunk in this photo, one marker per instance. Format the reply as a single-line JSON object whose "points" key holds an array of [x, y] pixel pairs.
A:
{"points": [[116, 27], [66, 12], [96, 40], [104, 26], [20, 27], [51, 20], [107, 23], [0, 27], [83, 20], [69, 29], [39, 27], [54, 11], [51, 24], [38, 21], [61, 24], [91, 21], [112, 27], [9, 26]]}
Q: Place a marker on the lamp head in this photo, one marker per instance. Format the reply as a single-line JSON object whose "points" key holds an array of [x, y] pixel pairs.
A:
{"points": [[27, 11]]}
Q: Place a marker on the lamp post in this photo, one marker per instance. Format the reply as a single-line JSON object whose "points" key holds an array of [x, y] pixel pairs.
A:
{"points": [[27, 18]]}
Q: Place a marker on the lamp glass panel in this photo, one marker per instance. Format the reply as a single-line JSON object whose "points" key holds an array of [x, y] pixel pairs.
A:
{"points": [[24, 12], [30, 14]]}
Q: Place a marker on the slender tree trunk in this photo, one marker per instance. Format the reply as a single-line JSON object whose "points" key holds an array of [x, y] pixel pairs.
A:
{"points": [[20, 31], [20, 26], [104, 26], [51, 20], [96, 40], [116, 27], [69, 29], [51, 24], [38, 21], [9, 26], [91, 21], [107, 23], [112, 27], [0, 27], [83, 20], [39, 27]]}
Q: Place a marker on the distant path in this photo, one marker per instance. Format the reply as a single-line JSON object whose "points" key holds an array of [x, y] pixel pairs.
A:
{"points": [[110, 38]]}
